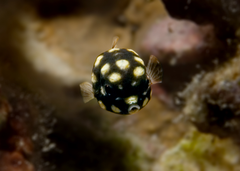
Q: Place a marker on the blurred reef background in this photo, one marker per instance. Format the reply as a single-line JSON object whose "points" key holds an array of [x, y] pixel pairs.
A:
{"points": [[48, 47]]}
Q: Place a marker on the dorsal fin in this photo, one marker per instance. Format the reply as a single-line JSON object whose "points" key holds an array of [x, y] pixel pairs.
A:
{"points": [[154, 70], [87, 91], [114, 43]]}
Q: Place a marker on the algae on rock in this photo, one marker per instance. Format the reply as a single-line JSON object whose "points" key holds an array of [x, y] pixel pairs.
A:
{"points": [[201, 152]]}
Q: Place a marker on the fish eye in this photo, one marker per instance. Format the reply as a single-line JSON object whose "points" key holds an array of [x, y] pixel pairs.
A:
{"points": [[133, 108]]}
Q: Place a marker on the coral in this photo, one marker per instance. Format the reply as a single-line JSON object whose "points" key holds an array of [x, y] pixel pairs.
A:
{"points": [[182, 47], [179, 41], [15, 141], [212, 100], [198, 151], [24, 116], [14, 161], [223, 14]]}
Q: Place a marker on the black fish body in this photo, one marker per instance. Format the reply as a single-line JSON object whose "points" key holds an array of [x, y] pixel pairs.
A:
{"points": [[120, 80]]}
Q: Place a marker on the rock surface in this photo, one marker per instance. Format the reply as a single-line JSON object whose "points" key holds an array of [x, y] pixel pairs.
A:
{"points": [[197, 152], [212, 100]]}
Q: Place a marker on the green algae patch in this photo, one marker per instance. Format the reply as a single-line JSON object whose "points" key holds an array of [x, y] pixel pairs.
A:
{"points": [[201, 152]]}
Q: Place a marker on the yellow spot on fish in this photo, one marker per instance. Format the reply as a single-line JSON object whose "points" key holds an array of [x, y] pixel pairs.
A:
{"points": [[145, 101], [103, 91], [94, 78], [130, 50], [139, 60], [138, 71], [114, 77], [123, 64], [131, 99], [113, 49], [101, 105], [98, 60], [115, 109], [120, 86], [105, 68], [133, 83]]}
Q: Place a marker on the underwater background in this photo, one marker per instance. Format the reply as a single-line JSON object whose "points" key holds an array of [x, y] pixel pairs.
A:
{"points": [[48, 47]]}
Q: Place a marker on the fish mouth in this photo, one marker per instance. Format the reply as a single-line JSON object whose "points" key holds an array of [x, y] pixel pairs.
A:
{"points": [[133, 109]]}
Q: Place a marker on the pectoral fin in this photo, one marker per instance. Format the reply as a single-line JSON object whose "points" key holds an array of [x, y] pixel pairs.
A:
{"points": [[87, 91], [154, 70]]}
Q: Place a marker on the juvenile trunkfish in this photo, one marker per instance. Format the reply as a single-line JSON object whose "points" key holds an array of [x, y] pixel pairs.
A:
{"points": [[120, 81]]}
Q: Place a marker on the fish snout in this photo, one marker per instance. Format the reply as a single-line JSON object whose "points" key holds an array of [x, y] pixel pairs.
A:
{"points": [[133, 108]]}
